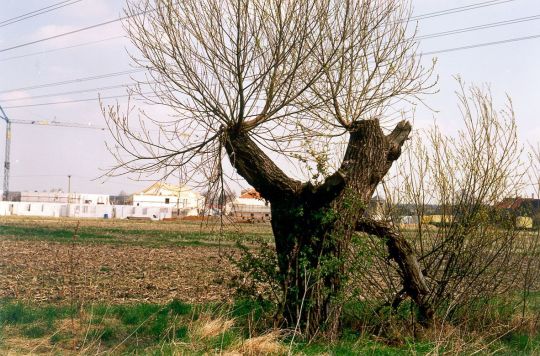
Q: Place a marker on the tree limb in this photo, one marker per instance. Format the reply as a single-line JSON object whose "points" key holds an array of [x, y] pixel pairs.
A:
{"points": [[257, 168], [397, 138], [403, 254], [368, 158]]}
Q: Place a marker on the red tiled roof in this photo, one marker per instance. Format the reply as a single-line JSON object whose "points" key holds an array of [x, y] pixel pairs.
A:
{"points": [[510, 203], [250, 194], [515, 203]]}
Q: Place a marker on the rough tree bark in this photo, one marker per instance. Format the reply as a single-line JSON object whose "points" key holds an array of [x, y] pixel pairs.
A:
{"points": [[401, 251], [313, 225]]}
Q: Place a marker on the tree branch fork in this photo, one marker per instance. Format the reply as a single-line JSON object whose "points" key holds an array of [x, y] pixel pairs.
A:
{"points": [[258, 169]]}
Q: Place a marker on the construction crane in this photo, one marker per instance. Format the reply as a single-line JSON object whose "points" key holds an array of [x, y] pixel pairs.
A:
{"points": [[5, 188], [9, 122]]}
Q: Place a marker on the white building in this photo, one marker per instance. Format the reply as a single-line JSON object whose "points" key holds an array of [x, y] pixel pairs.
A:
{"points": [[249, 206], [159, 201], [79, 205], [89, 211], [61, 197], [163, 195]]}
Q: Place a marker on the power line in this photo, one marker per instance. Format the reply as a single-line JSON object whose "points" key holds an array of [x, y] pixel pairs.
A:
{"points": [[62, 34], [433, 35], [72, 101], [419, 17], [74, 176], [439, 34], [125, 85], [109, 75], [484, 44], [480, 27], [69, 92], [494, 2], [70, 32], [61, 48], [458, 9], [462, 30], [37, 12], [71, 81], [32, 12]]}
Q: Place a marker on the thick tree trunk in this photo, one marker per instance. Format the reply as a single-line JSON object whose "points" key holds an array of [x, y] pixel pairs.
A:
{"points": [[303, 250], [313, 225]]}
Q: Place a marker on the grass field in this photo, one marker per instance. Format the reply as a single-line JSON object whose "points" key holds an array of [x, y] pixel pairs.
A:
{"points": [[125, 287]]}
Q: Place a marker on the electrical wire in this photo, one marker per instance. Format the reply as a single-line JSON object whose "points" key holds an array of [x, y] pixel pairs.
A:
{"points": [[71, 81], [38, 12], [484, 44], [32, 12], [74, 101], [479, 27], [457, 10], [61, 48], [126, 85], [453, 10], [434, 35], [118, 37], [414, 18], [510, 40], [456, 31], [70, 32]]}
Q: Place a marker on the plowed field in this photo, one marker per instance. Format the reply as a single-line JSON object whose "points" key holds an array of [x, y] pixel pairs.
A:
{"points": [[117, 261]]}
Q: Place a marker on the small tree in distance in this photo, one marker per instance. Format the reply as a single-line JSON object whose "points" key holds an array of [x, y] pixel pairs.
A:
{"points": [[250, 81]]}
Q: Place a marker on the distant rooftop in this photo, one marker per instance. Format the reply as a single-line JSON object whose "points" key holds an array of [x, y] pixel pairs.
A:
{"points": [[250, 194], [518, 202], [164, 189]]}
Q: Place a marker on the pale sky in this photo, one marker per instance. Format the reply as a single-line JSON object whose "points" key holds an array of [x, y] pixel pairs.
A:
{"points": [[42, 157]]}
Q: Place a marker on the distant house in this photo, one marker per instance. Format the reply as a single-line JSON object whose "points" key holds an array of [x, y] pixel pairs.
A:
{"points": [[249, 206], [163, 195], [527, 205], [526, 210]]}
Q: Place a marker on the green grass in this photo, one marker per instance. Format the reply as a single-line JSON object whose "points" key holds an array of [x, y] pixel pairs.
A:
{"points": [[145, 324], [36, 330], [186, 235], [12, 313], [521, 343], [146, 328]]}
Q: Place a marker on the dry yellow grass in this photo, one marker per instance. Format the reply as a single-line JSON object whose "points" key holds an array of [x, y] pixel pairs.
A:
{"points": [[267, 344], [208, 328], [25, 346]]}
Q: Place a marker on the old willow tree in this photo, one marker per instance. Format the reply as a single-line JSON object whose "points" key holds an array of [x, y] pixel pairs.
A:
{"points": [[257, 82]]}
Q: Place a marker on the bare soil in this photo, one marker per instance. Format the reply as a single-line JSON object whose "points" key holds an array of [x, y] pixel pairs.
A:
{"points": [[51, 271]]}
